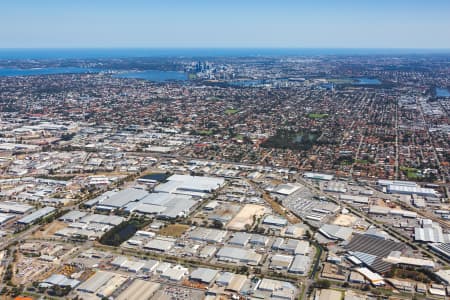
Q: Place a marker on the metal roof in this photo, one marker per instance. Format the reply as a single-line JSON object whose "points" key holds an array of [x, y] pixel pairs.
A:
{"points": [[239, 254], [300, 264], [139, 289], [122, 198], [186, 184], [336, 232], [240, 239], [95, 282], [73, 215], [45, 211], [204, 275]]}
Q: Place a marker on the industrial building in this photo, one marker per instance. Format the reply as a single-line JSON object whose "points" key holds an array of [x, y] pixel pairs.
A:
{"points": [[163, 205], [160, 244], [203, 275], [59, 280], [354, 199], [318, 176], [336, 232], [102, 283], [281, 262], [73, 216], [396, 258], [277, 289], [240, 239], [197, 186], [441, 248], [139, 289], [300, 265], [14, 207], [209, 235], [238, 255], [374, 278], [430, 232], [291, 246], [121, 198], [406, 188], [4, 218], [285, 189], [175, 273], [370, 251], [37, 215], [232, 282], [275, 221]]}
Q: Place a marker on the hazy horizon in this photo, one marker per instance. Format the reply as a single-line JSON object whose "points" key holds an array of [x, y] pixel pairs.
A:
{"points": [[348, 24]]}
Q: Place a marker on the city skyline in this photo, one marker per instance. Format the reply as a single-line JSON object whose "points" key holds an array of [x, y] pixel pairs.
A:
{"points": [[206, 24]]}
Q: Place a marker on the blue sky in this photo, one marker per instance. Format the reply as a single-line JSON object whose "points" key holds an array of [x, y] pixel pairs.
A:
{"points": [[225, 23]]}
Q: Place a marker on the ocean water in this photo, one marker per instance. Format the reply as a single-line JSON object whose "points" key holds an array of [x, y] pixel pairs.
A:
{"points": [[442, 92], [45, 71], [367, 81]]}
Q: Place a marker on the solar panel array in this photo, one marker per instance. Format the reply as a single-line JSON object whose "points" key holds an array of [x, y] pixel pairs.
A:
{"points": [[372, 245], [374, 248]]}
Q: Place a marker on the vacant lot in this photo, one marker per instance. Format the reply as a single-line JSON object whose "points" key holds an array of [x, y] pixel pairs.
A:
{"points": [[175, 230], [246, 216], [49, 229]]}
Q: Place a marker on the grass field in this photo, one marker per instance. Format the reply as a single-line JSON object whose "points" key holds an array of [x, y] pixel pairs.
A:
{"points": [[205, 132], [317, 116], [175, 230], [231, 111], [411, 173]]}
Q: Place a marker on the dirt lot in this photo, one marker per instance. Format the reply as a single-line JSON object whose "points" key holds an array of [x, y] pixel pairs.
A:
{"points": [[49, 229], [245, 216], [175, 230], [345, 220]]}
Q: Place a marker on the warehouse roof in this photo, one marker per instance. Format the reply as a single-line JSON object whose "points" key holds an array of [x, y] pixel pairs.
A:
{"points": [[236, 283], [190, 185], [300, 264], [353, 198], [286, 189], [374, 278], [204, 275], [5, 217], [275, 220], [396, 258], [60, 280], [430, 234], [224, 278], [122, 198], [102, 219], [160, 244], [33, 217], [207, 234], [240, 239], [163, 204], [401, 189], [280, 260], [96, 281], [319, 176], [73, 215], [14, 207], [175, 273], [239, 254], [139, 289], [273, 285], [336, 232]]}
